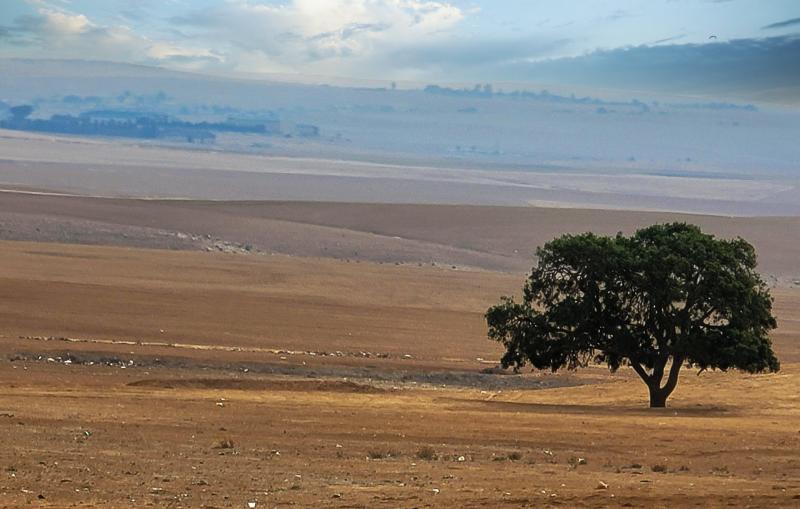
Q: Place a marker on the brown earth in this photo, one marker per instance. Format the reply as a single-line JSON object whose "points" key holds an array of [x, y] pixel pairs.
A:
{"points": [[257, 385], [492, 238], [133, 377]]}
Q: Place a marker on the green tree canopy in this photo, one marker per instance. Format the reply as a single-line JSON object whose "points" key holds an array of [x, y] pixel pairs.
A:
{"points": [[667, 296]]}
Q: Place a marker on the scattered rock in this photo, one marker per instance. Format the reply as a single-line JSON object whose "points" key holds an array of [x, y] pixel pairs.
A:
{"points": [[575, 462], [602, 485]]}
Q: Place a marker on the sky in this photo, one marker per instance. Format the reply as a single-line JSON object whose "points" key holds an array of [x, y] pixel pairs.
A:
{"points": [[415, 40]]}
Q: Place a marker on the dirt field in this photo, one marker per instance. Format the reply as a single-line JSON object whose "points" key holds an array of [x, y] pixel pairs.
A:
{"points": [[492, 238], [133, 377]]}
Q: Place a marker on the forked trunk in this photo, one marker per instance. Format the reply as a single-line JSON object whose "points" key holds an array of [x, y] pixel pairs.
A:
{"points": [[659, 394], [658, 397]]}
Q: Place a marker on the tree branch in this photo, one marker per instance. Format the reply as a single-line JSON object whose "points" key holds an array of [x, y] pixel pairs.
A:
{"points": [[672, 378], [640, 371], [658, 369]]}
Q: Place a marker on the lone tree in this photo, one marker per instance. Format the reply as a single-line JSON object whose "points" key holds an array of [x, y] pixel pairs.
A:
{"points": [[665, 297]]}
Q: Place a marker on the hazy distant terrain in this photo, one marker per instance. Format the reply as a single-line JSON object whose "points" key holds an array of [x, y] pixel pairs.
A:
{"points": [[129, 169], [488, 126]]}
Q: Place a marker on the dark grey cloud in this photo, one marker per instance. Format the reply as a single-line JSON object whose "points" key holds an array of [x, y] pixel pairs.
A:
{"points": [[349, 31], [21, 32], [740, 67], [355, 28], [782, 24], [669, 39], [33, 24], [210, 60]]}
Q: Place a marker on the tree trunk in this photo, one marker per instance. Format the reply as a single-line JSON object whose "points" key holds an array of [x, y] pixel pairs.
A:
{"points": [[659, 394], [658, 397]]}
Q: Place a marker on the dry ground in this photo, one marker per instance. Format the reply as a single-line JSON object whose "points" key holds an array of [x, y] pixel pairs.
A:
{"points": [[229, 398], [493, 238]]}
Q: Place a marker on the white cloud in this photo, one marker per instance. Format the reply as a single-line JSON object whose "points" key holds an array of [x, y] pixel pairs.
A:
{"points": [[57, 23], [336, 37], [319, 35], [58, 33]]}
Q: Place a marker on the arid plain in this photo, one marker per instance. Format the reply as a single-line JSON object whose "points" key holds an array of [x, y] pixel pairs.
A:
{"points": [[186, 353]]}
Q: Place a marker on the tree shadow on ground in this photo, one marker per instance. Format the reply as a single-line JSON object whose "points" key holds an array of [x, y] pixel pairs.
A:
{"points": [[594, 409]]}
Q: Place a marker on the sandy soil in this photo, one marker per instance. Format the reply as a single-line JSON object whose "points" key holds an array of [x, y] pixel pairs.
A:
{"points": [[250, 301], [200, 379]]}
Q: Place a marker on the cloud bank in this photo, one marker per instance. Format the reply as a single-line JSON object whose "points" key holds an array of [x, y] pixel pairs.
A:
{"points": [[782, 24], [741, 67], [419, 40]]}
